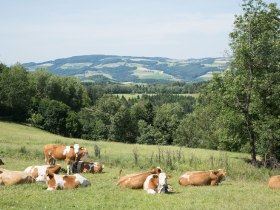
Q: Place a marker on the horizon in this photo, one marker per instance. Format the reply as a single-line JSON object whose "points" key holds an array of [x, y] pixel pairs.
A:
{"points": [[182, 29], [121, 56]]}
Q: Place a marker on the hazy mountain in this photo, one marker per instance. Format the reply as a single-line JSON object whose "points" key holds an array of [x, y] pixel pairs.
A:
{"points": [[133, 69]]}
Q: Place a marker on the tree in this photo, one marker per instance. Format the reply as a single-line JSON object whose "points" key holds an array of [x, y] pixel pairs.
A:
{"points": [[148, 134], [255, 47], [68, 90], [122, 128], [73, 125], [54, 115], [167, 119], [15, 94]]}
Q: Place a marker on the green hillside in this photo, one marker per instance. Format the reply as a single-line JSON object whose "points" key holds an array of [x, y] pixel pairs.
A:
{"points": [[244, 188], [133, 69]]}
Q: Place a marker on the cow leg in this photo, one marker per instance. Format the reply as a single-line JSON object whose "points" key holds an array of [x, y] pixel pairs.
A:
{"points": [[151, 191], [51, 161], [68, 166], [214, 182], [73, 166]]}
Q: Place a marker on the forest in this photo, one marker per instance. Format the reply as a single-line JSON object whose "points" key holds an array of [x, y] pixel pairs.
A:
{"points": [[238, 110]]}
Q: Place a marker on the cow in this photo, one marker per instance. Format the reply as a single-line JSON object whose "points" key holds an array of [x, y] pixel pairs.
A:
{"points": [[274, 182], [199, 178], [87, 167], [8, 177], [54, 152], [39, 172], [156, 184], [136, 181], [61, 182]]}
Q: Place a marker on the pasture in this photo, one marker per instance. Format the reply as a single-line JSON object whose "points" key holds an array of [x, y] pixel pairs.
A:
{"points": [[136, 95], [245, 187]]}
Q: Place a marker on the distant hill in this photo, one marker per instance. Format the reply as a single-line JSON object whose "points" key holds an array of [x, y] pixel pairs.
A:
{"points": [[133, 69]]}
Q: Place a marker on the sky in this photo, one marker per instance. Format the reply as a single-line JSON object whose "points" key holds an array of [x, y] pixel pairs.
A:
{"points": [[42, 30]]}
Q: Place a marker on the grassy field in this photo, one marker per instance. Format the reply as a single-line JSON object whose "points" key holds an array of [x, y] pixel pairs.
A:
{"points": [[245, 187], [135, 95]]}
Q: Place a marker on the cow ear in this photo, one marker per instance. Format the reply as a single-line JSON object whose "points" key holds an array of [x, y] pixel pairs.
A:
{"points": [[158, 170], [49, 174], [216, 172]]}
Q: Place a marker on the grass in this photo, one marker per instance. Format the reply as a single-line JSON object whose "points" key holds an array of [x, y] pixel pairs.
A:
{"points": [[245, 187], [135, 95]]}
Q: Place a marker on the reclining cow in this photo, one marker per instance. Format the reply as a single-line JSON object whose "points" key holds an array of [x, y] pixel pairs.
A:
{"points": [[39, 172], [61, 182], [136, 181], [157, 184], [54, 152], [87, 167], [199, 178], [8, 177], [274, 182]]}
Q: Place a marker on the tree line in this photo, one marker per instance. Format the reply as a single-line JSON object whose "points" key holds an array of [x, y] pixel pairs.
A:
{"points": [[63, 105]]}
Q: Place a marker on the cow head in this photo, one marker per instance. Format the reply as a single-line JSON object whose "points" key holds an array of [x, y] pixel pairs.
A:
{"points": [[76, 148], [98, 167], [163, 187], [220, 173], [82, 154], [156, 170], [50, 180]]}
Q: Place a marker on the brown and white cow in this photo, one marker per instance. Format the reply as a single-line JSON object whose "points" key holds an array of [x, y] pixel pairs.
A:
{"points": [[157, 184], [8, 177], [54, 152], [39, 172], [199, 178], [136, 181], [87, 167], [274, 182], [61, 182]]}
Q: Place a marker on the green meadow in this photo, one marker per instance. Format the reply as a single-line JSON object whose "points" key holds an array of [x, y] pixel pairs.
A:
{"points": [[245, 187], [135, 95]]}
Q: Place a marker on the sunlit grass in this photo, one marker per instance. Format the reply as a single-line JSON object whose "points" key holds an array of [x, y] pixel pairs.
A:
{"points": [[245, 187]]}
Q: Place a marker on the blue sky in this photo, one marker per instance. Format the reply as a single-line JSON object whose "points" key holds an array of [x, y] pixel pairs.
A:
{"points": [[40, 30]]}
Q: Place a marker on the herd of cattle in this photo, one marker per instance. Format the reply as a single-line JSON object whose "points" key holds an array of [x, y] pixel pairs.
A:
{"points": [[153, 181]]}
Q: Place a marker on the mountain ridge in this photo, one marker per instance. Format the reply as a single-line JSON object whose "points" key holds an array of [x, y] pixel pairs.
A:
{"points": [[133, 68]]}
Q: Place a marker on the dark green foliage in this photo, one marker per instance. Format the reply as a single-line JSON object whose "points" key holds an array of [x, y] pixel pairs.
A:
{"points": [[148, 134], [54, 115], [68, 90], [122, 128], [15, 94], [73, 125]]}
